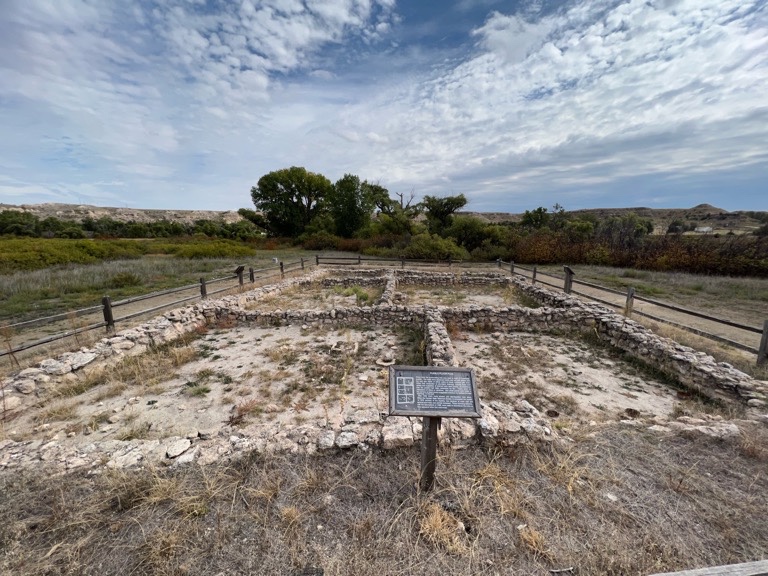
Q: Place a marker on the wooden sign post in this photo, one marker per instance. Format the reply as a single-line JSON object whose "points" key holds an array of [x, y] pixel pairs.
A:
{"points": [[434, 393]]}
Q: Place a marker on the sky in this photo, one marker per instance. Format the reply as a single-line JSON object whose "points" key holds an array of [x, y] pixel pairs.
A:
{"points": [[185, 104]]}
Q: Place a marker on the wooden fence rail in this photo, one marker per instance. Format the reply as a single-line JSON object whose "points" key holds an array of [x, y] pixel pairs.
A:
{"points": [[568, 280], [108, 307]]}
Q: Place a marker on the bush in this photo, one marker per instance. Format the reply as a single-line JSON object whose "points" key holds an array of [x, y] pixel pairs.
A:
{"points": [[427, 246], [320, 241]]}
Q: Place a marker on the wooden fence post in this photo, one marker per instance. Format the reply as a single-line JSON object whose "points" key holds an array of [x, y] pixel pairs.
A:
{"points": [[108, 317], [239, 272], [359, 260], [630, 302], [450, 263], [498, 262], [251, 275], [402, 263], [203, 289], [512, 267], [302, 263], [317, 259], [568, 281], [533, 276], [429, 429], [282, 270], [762, 353]]}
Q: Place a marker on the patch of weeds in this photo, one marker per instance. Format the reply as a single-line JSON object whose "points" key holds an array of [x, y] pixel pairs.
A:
{"points": [[241, 411], [525, 300], [57, 413], [135, 432]]}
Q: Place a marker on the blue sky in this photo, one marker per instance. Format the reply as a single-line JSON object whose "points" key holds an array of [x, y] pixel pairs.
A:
{"points": [[516, 104]]}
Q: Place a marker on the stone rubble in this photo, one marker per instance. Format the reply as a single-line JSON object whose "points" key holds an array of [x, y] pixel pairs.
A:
{"points": [[365, 429]]}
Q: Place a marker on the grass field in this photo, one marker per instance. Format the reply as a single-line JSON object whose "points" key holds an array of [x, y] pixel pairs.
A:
{"points": [[613, 502], [65, 287]]}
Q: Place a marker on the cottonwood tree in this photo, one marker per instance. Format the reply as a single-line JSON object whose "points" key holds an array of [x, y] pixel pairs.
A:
{"points": [[290, 198], [439, 211], [352, 202]]}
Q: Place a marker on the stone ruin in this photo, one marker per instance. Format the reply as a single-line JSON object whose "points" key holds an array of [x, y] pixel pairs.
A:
{"points": [[358, 426]]}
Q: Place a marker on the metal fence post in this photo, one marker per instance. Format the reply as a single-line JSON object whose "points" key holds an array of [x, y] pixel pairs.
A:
{"points": [[251, 275], [108, 317], [533, 276], [203, 289], [630, 302], [568, 281], [282, 270], [762, 353]]}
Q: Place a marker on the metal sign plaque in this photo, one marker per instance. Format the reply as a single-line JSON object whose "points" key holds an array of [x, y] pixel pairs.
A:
{"points": [[435, 391]]}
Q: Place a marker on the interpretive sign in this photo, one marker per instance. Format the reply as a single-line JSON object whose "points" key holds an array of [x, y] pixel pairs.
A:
{"points": [[433, 391]]}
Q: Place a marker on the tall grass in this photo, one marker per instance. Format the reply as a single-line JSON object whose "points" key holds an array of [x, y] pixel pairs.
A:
{"points": [[34, 293]]}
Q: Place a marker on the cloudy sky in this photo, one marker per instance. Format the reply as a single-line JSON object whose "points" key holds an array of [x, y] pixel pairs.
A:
{"points": [[516, 104]]}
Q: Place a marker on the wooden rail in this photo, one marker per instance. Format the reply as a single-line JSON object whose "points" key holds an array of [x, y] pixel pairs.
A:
{"points": [[108, 307], [567, 281]]}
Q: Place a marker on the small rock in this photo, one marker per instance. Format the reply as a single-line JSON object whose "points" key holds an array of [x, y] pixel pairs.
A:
{"points": [[25, 386], [752, 403], [326, 440], [8, 403], [347, 440], [114, 419], [177, 448]]}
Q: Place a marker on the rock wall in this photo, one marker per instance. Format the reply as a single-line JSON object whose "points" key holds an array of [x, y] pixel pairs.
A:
{"points": [[501, 423]]}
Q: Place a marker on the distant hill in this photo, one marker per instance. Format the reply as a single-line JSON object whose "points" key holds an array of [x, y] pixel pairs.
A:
{"points": [[77, 212], [702, 216]]}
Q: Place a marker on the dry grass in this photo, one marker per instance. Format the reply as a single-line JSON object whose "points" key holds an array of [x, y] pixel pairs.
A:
{"points": [[620, 502]]}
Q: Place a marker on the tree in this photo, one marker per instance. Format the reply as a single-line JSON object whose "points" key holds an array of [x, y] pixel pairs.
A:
{"points": [[290, 198], [351, 203], [440, 211], [537, 218]]}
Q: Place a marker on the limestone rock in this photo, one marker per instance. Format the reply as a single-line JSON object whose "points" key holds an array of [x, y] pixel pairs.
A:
{"points": [[177, 448], [25, 386], [54, 367], [396, 433], [347, 440]]}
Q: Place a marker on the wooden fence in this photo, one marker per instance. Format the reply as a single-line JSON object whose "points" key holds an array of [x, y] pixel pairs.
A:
{"points": [[110, 310], [202, 290], [567, 281]]}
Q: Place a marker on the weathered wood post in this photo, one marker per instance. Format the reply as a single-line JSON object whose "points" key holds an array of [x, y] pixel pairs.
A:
{"points": [[203, 289], [512, 267], [317, 259], [498, 262], [359, 260], [533, 275], [282, 270], [108, 317], [429, 427], [450, 263], [251, 275], [568, 281], [402, 263], [630, 302], [762, 353], [239, 271], [302, 263]]}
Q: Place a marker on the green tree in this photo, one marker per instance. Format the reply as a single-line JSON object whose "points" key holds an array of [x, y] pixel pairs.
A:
{"points": [[537, 218], [290, 198], [352, 202], [440, 211]]}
